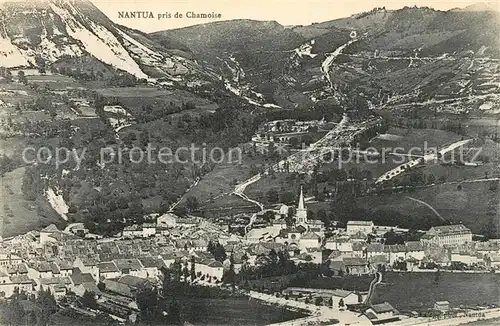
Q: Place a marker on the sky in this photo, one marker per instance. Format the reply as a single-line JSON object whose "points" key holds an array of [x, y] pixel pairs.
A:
{"points": [[286, 12]]}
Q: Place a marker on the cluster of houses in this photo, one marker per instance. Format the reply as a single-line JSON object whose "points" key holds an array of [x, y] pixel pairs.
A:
{"points": [[72, 261], [360, 248], [283, 131]]}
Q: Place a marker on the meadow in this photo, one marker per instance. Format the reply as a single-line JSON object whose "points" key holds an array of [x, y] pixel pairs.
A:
{"points": [[413, 291]]}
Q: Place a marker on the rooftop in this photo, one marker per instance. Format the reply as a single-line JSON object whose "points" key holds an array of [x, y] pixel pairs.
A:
{"points": [[360, 223]]}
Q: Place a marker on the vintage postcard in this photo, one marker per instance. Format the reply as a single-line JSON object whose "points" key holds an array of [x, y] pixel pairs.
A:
{"points": [[279, 162]]}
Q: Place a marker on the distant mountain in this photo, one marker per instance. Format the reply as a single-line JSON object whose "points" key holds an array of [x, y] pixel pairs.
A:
{"points": [[488, 6], [382, 57], [43, 32]]}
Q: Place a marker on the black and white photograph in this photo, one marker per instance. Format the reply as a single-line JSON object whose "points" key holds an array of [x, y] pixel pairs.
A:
{"points": [[249, 162]]}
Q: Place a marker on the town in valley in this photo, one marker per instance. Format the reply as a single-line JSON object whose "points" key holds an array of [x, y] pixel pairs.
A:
{"points": [[345, 172]]}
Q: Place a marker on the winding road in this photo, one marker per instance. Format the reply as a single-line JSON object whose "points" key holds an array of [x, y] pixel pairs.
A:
{"points": [[377, 280]]}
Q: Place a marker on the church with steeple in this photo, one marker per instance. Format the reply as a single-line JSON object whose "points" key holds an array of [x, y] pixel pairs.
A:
{"points": [[301, 214], [301, 219], [305, 233]]}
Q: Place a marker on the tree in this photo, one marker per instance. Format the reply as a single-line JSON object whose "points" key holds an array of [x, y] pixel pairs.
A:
{"points": [[185, 272], [174, 313], [46, 306], [341, 303], [193, 271], [268, 216], [431, 179], [22, 77], [192, 203], [14, 313], [287, 197], [147, 301], [272, 196], [88, 299]]}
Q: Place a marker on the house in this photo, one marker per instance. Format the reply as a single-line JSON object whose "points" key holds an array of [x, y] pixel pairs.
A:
{"points": [[19, 269], [495, 261], [39, 269], [8, 284], [309, 240], [57, 285], [46, 232], [375, 249], [77, 278], [152, 266], [290, 236], [466, 257], [381, 313], [130, 266], [378, 262], [349, 265], [22, 282], [135, 283], [356, 265], [108, 270], [118, 288], [65, 267], [317, 227], [211, 268], [199, 244], [358, 249], [443, 306], [414, 249], [340, 243], [9, 260], [167, 220], [354, 227], [87, 265], [86, 287], [186, 222], [148, 230], [347, 297], [451, 235], [396, 253], [77, 229], [132, 231], [316, 255]]}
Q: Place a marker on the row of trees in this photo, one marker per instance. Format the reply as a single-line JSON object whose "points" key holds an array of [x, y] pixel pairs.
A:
{"points": [[44, 306]]}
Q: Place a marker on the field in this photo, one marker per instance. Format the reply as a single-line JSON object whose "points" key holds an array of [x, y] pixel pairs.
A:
{"points": [[19, 215], [136, 97], [54, 81], [281, 182], [414, 138], [412, 291], [474, 205], [478, 126], [348, 282], [227, 205], [223, 178]]}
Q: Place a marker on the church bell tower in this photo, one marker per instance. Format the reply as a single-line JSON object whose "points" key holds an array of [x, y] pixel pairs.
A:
{"points": [[301, 216]]}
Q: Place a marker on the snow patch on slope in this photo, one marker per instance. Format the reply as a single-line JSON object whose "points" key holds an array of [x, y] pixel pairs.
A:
{"points": [[102, 44], [57, 203], [10, 56]]}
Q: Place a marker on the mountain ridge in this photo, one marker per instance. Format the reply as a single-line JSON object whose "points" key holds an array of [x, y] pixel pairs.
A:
{"points": [[49, 30]]}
